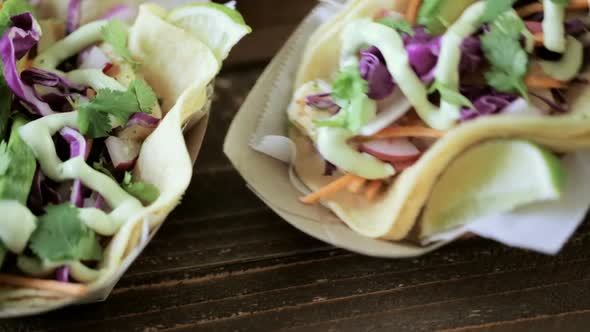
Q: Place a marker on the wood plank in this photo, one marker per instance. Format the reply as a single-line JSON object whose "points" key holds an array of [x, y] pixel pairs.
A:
{"points": [[325, 302], [456, 271], [216, 196], [231, 89], [272, 24]]}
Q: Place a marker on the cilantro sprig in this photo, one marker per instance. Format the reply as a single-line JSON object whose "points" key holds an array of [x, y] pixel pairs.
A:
{"points": [[449, 95], [495, 8], [5, 158], [94, 117], [62, 235], [145, 192], [115, 33], [400, 25], [509, 61], [349, 91]]}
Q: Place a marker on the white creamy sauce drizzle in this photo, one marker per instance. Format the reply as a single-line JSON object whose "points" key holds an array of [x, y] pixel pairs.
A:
{"points": [[38, 136], [447, 68]]}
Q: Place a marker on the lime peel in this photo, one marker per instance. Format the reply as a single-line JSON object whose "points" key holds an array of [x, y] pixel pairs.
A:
{"points": [[492, 178]]}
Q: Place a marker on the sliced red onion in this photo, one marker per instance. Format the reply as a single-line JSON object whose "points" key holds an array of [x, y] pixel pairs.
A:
{"points": [[322, 101], [392, 150], [93, 58], [329, 168], [78, 147], [391, 109], [139, 127], [123, 152], [560, 108], [143, 120], [62, 274], [124, 13], [96, 201], [521, 107], [74, 16]]}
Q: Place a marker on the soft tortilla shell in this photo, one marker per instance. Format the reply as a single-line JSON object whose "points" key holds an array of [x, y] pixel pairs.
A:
{"points": [[397, 211], [166, 160]]}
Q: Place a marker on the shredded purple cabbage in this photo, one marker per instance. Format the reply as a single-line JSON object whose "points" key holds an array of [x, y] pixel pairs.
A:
{"points": [[74, 16], [62, 274], [374, 70], [42, 194], [485, 101], [13, 46], [78, 148], [36, 76]]}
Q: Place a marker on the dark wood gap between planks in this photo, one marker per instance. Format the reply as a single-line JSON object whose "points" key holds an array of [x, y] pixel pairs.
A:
{"points": [[286, 314], [578, 320]]}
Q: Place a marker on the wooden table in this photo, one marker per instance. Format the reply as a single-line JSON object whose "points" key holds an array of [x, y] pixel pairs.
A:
{"points": [[224, 262]]}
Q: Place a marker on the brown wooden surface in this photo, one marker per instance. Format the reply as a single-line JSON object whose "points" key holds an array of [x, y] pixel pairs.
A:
{"points": [[224, 262]]}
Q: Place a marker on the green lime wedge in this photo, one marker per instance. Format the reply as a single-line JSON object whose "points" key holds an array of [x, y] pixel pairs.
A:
{"points": [[491, 178], [218, 26]]}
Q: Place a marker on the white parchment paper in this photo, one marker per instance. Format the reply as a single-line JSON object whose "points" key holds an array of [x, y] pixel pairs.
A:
{"points": [[543, 227]]}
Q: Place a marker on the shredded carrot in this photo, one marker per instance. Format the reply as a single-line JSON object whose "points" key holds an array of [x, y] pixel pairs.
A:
{"points": [[409, 131], [357, 184], [578, 4], [331, 188], [412, 12], [543, 82], [90, 93], [29, 64], [373, 189], [50, 285], [539, 38], [529, 10], [538, 7]]}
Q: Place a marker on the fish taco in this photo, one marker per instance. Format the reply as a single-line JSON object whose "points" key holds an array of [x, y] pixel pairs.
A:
{"points": [[412, 118], [93, 158]]}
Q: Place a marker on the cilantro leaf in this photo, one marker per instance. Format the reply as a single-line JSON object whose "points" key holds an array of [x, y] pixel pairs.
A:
{"points": [[495, 8], [61, 235], [115, 33], [100, 166], [94, 117], [5, 158], [347, 85], [146, 97], [93, 123], [349, 91], [450, 96], [399, 25], [509, 61], [143, 191]]}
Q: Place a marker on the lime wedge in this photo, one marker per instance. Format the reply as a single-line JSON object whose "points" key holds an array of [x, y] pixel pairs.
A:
{"points": [[492, 178], [218, 26]]}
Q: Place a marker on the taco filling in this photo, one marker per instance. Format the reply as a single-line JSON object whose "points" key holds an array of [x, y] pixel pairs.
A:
{"points": [[76, 113], [399, 81]]}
